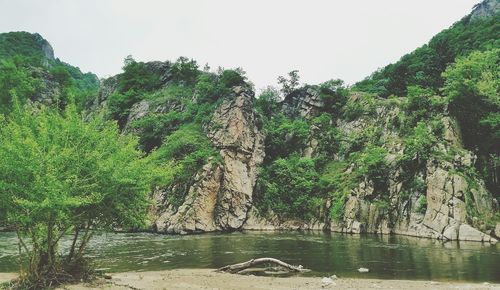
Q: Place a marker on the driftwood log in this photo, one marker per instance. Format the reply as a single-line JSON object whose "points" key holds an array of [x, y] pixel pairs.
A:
{"points": [[235, 268]]}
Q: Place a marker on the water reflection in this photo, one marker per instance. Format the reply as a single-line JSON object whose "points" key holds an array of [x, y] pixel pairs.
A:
{"points": [[390, 257]]}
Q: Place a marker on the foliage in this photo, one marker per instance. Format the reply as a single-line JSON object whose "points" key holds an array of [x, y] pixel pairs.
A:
{"points": [[285, 136], [62, 175], [137, 76], [328, 136], [337, 183], [290, 83], [334, 94], [185, 71], [359, 105], [186, 150], [155, 126], [423, 67], [232, 77], [16, 81], [268, 102], [473, 88], [371, 163], [421, 206], [290, 188], [418, 144], [26, 68], [21, 43], [83, 86], [472, 85]]}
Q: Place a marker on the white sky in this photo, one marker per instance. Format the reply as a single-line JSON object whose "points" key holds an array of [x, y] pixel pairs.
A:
{"points": [[323, 39]]}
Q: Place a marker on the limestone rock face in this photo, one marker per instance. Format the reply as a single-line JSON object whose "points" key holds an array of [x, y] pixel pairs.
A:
{"points": [[438, 209], [485, 9], [304, 103], [447, 191], [197, 212], [44, 46], [234, 130], [221, 195]]}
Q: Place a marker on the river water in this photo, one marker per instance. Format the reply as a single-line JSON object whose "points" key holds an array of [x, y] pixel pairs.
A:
{"points": [[387, 257]]}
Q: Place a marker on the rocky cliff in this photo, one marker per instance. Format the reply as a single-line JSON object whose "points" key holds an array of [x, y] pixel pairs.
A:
{"points": [[454, 198], [354, 160], [221, 194], [448, 203]]}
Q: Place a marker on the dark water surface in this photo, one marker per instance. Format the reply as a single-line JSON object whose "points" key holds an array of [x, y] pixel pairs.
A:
{"points": [[387, 257]]}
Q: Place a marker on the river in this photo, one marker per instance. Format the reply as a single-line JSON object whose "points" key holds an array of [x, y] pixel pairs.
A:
{"points": [[387, 257]]}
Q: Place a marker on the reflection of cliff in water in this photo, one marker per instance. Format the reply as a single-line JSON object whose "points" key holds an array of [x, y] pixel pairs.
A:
{"points": [[388, 257]]}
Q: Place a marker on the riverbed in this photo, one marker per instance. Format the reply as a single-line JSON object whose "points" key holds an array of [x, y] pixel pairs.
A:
{"points": [[386, 257]]}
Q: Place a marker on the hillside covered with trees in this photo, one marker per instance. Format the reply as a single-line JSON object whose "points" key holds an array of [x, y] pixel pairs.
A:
{"points": [[169, 147]]}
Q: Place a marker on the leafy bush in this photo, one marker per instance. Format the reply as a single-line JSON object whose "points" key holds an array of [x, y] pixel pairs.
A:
{"points": [[289, 187], [473, 88], [421, 206], [119, 105], [188, 149], [334, 94], [185, 71], [371, 163], [136, 76], [337, 183], [153, 128], [267, 103], [16, 81], [61, 175], [285, 136], [363, 104]]}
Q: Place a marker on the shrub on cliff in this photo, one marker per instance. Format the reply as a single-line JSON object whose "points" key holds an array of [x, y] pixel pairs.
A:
{"points": [[289, 187]]}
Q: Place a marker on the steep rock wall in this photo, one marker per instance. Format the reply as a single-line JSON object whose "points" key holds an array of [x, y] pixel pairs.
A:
{"points": [[221, 194], [454, 199]]}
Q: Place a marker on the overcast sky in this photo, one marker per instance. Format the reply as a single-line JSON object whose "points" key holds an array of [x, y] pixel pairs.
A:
{"points": [[323, 39]]}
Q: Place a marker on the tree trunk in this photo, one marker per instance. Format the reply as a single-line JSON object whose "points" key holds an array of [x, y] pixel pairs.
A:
{"points": [[235, 268]]}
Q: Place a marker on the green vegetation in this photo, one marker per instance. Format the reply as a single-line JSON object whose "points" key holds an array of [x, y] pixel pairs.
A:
{"points": [[22, 43], [337, 182], [186, 151], [423, 67], [16, 81], [290, 188], [173, 134], [61, 175], [421, 206], [472, 86], [27, 73]]}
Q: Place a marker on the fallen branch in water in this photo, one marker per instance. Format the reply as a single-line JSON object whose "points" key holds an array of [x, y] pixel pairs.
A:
{"points": [[235, 268]]}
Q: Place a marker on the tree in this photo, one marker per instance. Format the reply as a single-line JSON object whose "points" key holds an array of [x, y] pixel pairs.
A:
{"points": [[289, 187], [185, 70], [472, 85], [15, 81], [62, 175], [268, 101], [289, 84]]}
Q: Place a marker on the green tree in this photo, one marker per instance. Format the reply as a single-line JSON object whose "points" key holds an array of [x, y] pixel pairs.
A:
{"points": [[61, 175], [472, 85], [15, 81], [267, 102], [289, 187], [185, 70], [290, 83]]}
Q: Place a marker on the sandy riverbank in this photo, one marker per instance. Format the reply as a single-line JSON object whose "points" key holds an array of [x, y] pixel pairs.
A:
{"points": [[191, 279]]}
